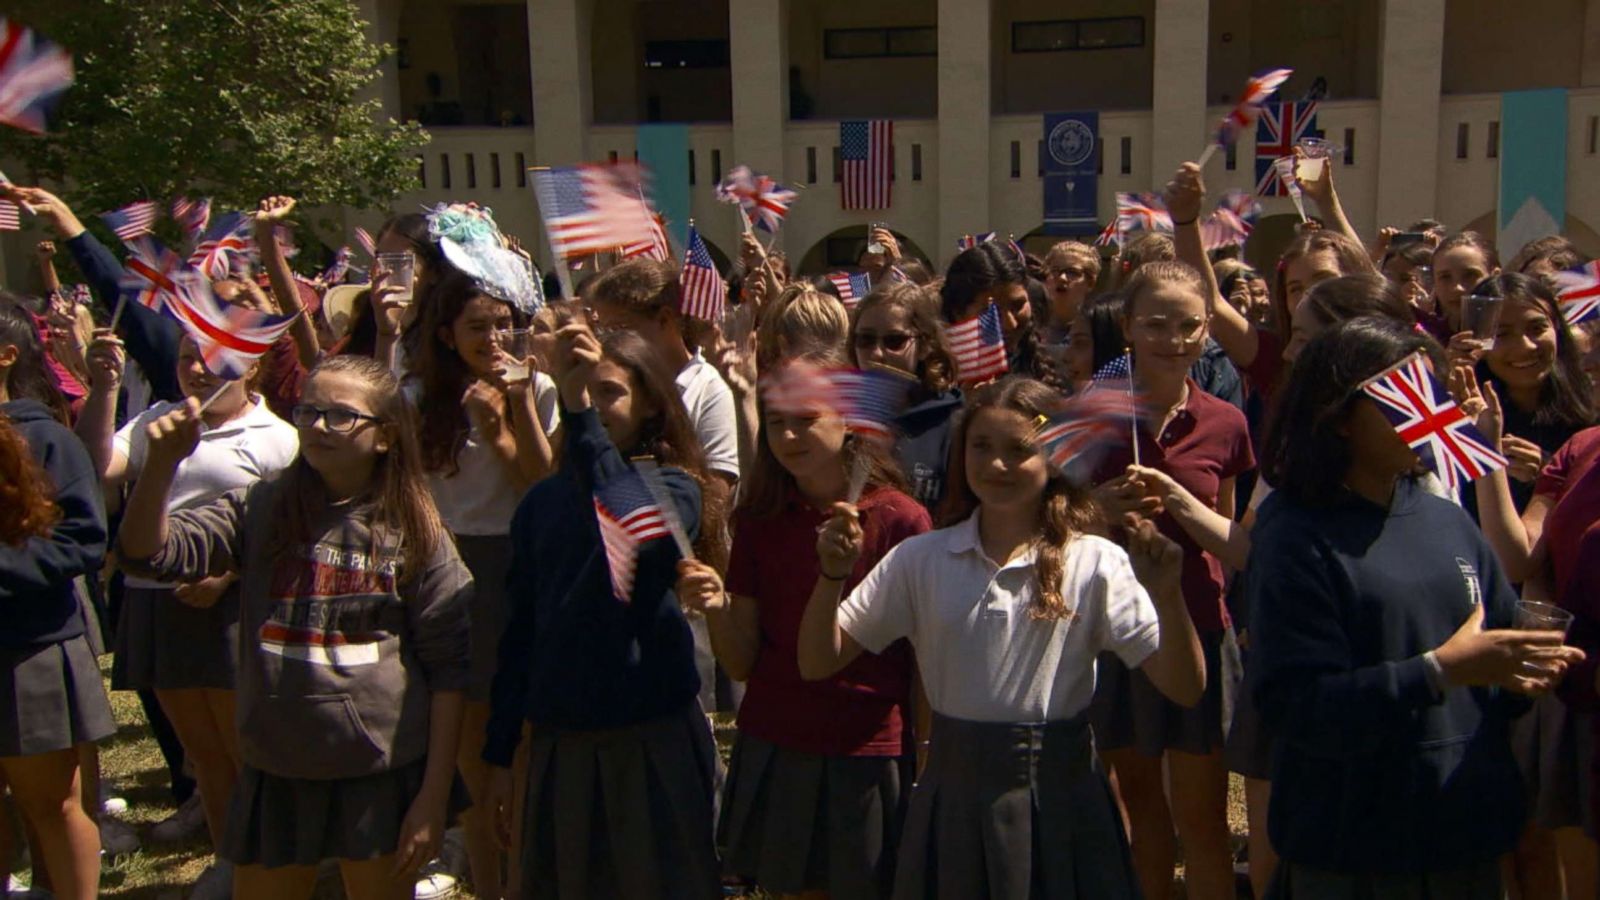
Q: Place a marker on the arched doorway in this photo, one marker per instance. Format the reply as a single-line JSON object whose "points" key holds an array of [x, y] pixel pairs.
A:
{"points": [[841, 248]]}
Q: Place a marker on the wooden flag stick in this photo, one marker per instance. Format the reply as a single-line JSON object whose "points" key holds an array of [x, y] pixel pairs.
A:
{"points": [[1205, 157], [1133, 405], [650, 473], [214, 395]]}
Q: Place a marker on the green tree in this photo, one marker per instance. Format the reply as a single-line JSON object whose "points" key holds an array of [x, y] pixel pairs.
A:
{"points": [[233, 99]]}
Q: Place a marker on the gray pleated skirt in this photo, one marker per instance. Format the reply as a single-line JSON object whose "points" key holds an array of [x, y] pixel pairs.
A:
{"points": [[625, 812], [1554, 745], [488, 558], [1128, 710], [275, 821], [1481, 881], [794, 821], [51, 698], [166, 645], [1013, 812], [1248, 748]]}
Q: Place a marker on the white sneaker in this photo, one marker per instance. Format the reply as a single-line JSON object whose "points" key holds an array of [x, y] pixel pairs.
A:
{"points": [[435, 885], [188, 821], [215, 883], [117, 838]]}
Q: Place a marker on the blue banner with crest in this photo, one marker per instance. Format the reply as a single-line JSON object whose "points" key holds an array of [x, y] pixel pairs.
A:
{"points": [[1071, 159]]}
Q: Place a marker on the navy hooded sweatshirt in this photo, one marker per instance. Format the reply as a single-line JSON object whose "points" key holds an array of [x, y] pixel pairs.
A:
{"points": [[36, 590], [1377, 769], [923, 448]]}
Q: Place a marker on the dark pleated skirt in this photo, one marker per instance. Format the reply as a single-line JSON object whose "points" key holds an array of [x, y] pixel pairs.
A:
{"points": [[51, 698], [166, 645], [1130, 712], [1248, 748], [1554, 746], [794, 821], [488, 558], [275, 821], [1477, 882], [622, 813], [1013, 812]]}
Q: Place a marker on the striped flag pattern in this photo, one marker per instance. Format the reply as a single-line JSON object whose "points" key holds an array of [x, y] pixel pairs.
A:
{"points": [[1578, 291], [1429, 421], [231, 338], [628, 517], [34, 73], [866, 152], [193, 215], [230, 234], [871, 400], [10, 216], [148, 273], [365, 242], [702, 292], [655, 248], [979, 346], [133, 220], [592, 208], [852, 286]]}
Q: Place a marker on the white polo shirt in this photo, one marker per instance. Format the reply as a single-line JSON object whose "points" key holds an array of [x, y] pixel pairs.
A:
{"points": [[711, 411], [982, 656]]}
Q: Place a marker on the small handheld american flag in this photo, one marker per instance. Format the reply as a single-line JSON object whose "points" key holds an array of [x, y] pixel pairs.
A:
{"points": [[1429, 421], [1114, 383], [34, 73], [979, 347], [866, 151], [1578, 291], [628, 517], [10, 216], [133, 220], [871, 400], [702, 292], [592, 208], [365, 242], [852, 286], [655, 248]]}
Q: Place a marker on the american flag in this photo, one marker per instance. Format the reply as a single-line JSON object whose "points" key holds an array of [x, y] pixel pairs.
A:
{"points": [[230, 234], [764, 201], [979, 346], [592, 208], [1578, 291], [1256, 92], [628, 517], [148, 273], [852, 286], [231, 338], [1280, 127], [34, 73], [338, 269], [132, 220], [656, 247], [866, 149], [1429, 421], [968, 241], [193, 215], [1118, 368], [365, 241], [702, 292], [10, 216], [871, 400]]}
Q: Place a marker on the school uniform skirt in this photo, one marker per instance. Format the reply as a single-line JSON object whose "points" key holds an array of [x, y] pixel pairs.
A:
{"points": [[1013, 812], [1129, 711], [1480, 881], [795, 821], [622, 812], [275, 821], [1553, 745], [164, 644], [1248, 747], [51, 698], [488, 558]]}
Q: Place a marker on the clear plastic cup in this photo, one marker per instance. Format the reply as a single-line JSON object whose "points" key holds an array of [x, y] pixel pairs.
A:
{"points": [[1317, 148], [1481, 316], [515, 347], [1532, 615], [399, 270]]}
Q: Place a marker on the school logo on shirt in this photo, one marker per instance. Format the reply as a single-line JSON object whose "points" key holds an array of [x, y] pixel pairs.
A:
{"points": [[1469, 574]]}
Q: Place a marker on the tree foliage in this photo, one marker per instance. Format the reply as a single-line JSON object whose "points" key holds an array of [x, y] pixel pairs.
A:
{"points": [[233, 99]]}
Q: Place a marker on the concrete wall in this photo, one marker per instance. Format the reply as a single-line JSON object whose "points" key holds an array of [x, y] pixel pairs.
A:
{"points": [[1071, 79], [856, 88], [1494, 45]]}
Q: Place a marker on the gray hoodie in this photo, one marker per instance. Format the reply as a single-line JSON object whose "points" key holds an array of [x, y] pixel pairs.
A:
{"points": [[338, 658]]}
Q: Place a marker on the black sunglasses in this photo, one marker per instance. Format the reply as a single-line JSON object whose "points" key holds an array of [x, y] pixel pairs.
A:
{"points": [[893, 342]]}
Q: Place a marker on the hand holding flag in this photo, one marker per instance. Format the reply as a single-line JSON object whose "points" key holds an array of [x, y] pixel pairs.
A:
{"points": [[133, 220], [628, 517]]}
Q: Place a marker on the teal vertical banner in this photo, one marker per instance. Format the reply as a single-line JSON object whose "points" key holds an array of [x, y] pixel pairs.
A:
{"points": [[664, 150], [1533, 167]]}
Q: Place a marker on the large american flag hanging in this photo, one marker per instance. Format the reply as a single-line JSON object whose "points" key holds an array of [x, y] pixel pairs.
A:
{"points": [[1429, 421], [866, 151], [1277, 130]]}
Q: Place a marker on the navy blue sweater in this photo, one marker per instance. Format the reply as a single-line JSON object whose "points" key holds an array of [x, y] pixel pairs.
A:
{"points": [[1377, 770], [150, 337], [573, 656], [923, 448], [36, 576]]}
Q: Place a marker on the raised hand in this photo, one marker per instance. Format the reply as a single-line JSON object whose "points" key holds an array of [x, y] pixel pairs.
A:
{"points": [[1185, 193], [106, 359], [840, 541], [274, 210]]}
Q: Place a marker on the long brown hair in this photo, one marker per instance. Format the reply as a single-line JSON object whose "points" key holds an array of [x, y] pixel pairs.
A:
{"points": [[444, 375], [401, 506], [1066, 509], [26, 509], [937, 369], [1353, 260], [769, 483]]}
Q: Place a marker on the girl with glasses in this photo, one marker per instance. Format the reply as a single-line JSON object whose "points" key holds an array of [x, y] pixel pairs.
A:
{"points": [[352, 640]]}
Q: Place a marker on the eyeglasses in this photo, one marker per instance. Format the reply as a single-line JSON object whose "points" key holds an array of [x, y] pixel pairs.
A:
{"points": [[339, 421], [893, 342], [1160, 328], [1069, 273]]}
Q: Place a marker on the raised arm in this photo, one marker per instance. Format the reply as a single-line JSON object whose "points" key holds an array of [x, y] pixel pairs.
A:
{"points": [[274, 211], [1186, 193], [1322, 192], [1216, 533]]}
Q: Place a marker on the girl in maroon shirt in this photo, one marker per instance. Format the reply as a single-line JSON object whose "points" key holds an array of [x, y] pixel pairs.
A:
{"points": [[816, 788]]}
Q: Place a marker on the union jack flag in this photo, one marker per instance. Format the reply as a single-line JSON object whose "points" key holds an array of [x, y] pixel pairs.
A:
{"points": [[764, 201], [1235, 217], [1281, 125], [866, 150], [1144, 211], [968, 241], [593, 208], [10, 216], [1086, 425], [132, 220], [1108, 235], [1256, 92], [148, 273], [1429, 421], [628, 517], [34, 73], [230, 234], [871, 400], [193, 215], [702, 292], [852, 286], [979, 347], [231, 338], [656, 247], [365, 241], [1578, 291]]}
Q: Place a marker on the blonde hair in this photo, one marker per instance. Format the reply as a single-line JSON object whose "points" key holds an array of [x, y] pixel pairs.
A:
{"points": [[803, 321], [1075, 252]]}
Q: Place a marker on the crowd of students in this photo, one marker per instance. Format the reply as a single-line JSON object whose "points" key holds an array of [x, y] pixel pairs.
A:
{"points": [[365, 598]]}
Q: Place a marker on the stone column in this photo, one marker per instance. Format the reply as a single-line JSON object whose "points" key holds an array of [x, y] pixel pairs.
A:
{"points": [[559, 51], [1179, 123], [759, 56], [1410, 66], [964, 113]]}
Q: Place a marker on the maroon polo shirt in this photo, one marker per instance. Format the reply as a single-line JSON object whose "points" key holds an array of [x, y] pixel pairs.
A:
{"points": [[1207, 442], [860, 711], [1265, 370]]}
